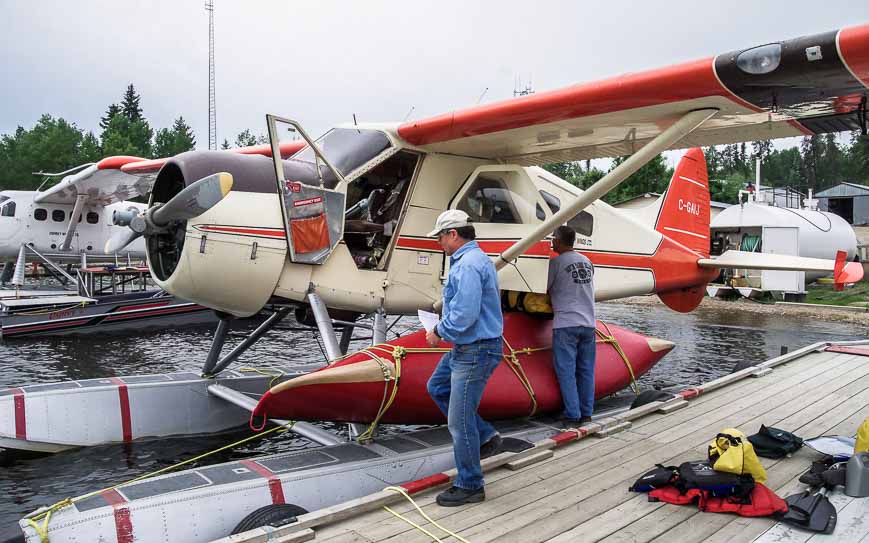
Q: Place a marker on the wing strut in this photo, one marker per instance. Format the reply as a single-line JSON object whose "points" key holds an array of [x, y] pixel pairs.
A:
{"points": [[678, 130], [73, 221]]}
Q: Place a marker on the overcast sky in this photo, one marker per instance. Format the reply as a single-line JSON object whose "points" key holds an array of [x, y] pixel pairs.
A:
{"points": [[322, 61]]}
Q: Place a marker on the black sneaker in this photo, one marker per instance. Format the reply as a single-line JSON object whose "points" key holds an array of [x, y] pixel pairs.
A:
{"points": [[491, 447], [574, 423], [455, 496]]}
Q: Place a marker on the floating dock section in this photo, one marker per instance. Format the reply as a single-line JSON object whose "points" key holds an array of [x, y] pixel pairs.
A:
{"points": [[574, 486]]}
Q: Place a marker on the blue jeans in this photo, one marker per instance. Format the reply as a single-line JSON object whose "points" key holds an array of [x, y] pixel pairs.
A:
{"points": [[573, 353], [456, 386]]}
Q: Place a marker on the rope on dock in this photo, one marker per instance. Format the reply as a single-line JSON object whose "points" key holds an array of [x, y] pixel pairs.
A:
{"points": [[404, 493]]}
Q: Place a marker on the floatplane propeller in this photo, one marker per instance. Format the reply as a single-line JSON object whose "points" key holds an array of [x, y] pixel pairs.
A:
{"points": [[191, 202]]}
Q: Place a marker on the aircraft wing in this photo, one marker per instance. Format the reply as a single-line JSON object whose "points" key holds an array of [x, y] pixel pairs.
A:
{"points": [[843, 272], [809, 85], [149, 167], [101, 183], [119, 178]]}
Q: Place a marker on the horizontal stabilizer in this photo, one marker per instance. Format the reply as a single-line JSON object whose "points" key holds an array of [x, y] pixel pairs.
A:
{"points": [[745, 260]]}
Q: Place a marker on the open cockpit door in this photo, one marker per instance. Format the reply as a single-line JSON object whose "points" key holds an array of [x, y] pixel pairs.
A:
{"points": [[313, 214], [316, 182], [504, 205]]}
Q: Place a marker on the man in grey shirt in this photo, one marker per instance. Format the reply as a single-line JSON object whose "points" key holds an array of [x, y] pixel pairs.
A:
{"points": [[571, 289]]}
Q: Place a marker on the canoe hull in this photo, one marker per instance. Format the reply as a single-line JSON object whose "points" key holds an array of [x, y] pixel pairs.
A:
{"points": [[353, 389]]}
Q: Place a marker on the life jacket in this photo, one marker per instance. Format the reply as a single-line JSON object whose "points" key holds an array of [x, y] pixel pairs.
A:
{"points": [[761, 502]]}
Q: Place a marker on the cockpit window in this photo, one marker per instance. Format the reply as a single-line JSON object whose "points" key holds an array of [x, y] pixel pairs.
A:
{"points": [[3, 199], [8, 210], [489, 200], [346, 149]]}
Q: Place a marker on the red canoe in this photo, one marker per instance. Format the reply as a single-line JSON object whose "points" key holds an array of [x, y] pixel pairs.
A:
{"points": [[356, 389]]}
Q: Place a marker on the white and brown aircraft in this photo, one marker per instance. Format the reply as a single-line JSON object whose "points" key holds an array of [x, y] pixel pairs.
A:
{"points": [[346, 217]]}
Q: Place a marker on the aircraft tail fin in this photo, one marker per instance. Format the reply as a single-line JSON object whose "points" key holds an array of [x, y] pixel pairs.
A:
{"points": [[684, 213]]}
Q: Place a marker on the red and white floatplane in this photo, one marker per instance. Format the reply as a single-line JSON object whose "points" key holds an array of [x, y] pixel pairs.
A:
{"points": [[338, 230]]}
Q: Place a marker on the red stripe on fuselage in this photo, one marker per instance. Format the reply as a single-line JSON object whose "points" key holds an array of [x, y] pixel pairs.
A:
{"points": [[20, 413], [275, 487], [673, 265], [124, 401], [123, 523], [267, 232], [541, 248]]}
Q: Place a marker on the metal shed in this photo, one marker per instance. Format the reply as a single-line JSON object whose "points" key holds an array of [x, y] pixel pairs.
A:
{"points": [[847, 200]]}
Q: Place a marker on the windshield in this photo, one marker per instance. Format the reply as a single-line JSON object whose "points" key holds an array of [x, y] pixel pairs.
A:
{"points": [[346, 149]]}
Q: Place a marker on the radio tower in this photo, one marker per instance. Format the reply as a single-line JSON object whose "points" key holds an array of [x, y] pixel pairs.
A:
{"points": [[212, 105]]}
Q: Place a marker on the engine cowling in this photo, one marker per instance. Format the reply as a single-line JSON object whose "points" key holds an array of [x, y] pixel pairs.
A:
{"points": [[229, 258]]}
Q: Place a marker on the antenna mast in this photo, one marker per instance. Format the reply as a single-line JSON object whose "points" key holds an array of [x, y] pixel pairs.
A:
{"points": [[212, 105]]}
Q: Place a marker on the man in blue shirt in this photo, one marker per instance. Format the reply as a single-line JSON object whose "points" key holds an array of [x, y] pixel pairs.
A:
{"points": [[472, 321]]}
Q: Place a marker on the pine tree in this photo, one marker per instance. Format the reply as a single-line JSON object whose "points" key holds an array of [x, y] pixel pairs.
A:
{"points": [[809, 157], [170, 142], [52, 145], [225, 145], [130, 104], [113, 110], [713, 161], [245, 139]]}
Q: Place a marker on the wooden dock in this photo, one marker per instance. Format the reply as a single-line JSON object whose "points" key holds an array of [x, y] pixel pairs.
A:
{"points": [[580, 493]]}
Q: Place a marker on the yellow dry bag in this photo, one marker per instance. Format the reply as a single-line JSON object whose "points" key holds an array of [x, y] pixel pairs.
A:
{"points": [[862, 444], [731, 452], [532, 303]]}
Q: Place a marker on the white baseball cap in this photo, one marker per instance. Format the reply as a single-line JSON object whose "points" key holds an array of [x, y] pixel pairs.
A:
{"points": [[451, 218]]}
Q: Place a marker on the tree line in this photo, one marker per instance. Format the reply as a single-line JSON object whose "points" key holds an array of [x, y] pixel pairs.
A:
{"points": [[55, 144], [819, 162]]}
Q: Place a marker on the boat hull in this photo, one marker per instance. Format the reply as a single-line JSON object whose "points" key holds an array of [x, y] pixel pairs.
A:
{"points": [[353, 389]]}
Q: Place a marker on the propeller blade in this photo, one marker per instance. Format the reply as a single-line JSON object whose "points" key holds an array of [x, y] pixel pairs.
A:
{"points": [[194, 200], [120, 240]]}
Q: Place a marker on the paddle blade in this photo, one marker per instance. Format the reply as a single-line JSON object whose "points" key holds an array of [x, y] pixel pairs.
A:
{"points": [[194, 200], [120, 240]]}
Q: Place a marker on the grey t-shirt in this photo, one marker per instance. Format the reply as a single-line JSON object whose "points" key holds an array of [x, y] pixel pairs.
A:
{"points": [[571, 288]]}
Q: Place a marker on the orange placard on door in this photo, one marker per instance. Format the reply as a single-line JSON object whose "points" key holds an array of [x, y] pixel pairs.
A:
{"points": [[310, 234]]}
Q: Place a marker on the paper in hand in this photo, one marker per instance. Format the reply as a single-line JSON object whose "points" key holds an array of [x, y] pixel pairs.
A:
{"points": [[428, 320]]}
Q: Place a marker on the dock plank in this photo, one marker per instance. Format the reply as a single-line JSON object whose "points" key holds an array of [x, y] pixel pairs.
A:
{"points": [[581, 492], [621, 475]]}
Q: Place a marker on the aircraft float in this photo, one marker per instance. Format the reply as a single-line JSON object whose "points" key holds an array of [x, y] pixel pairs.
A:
{"points": [[338, 230]]}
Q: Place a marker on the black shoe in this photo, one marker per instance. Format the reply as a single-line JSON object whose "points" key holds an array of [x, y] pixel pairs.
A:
{"points": [[574, 423], [491, 447], [455, 496]]}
